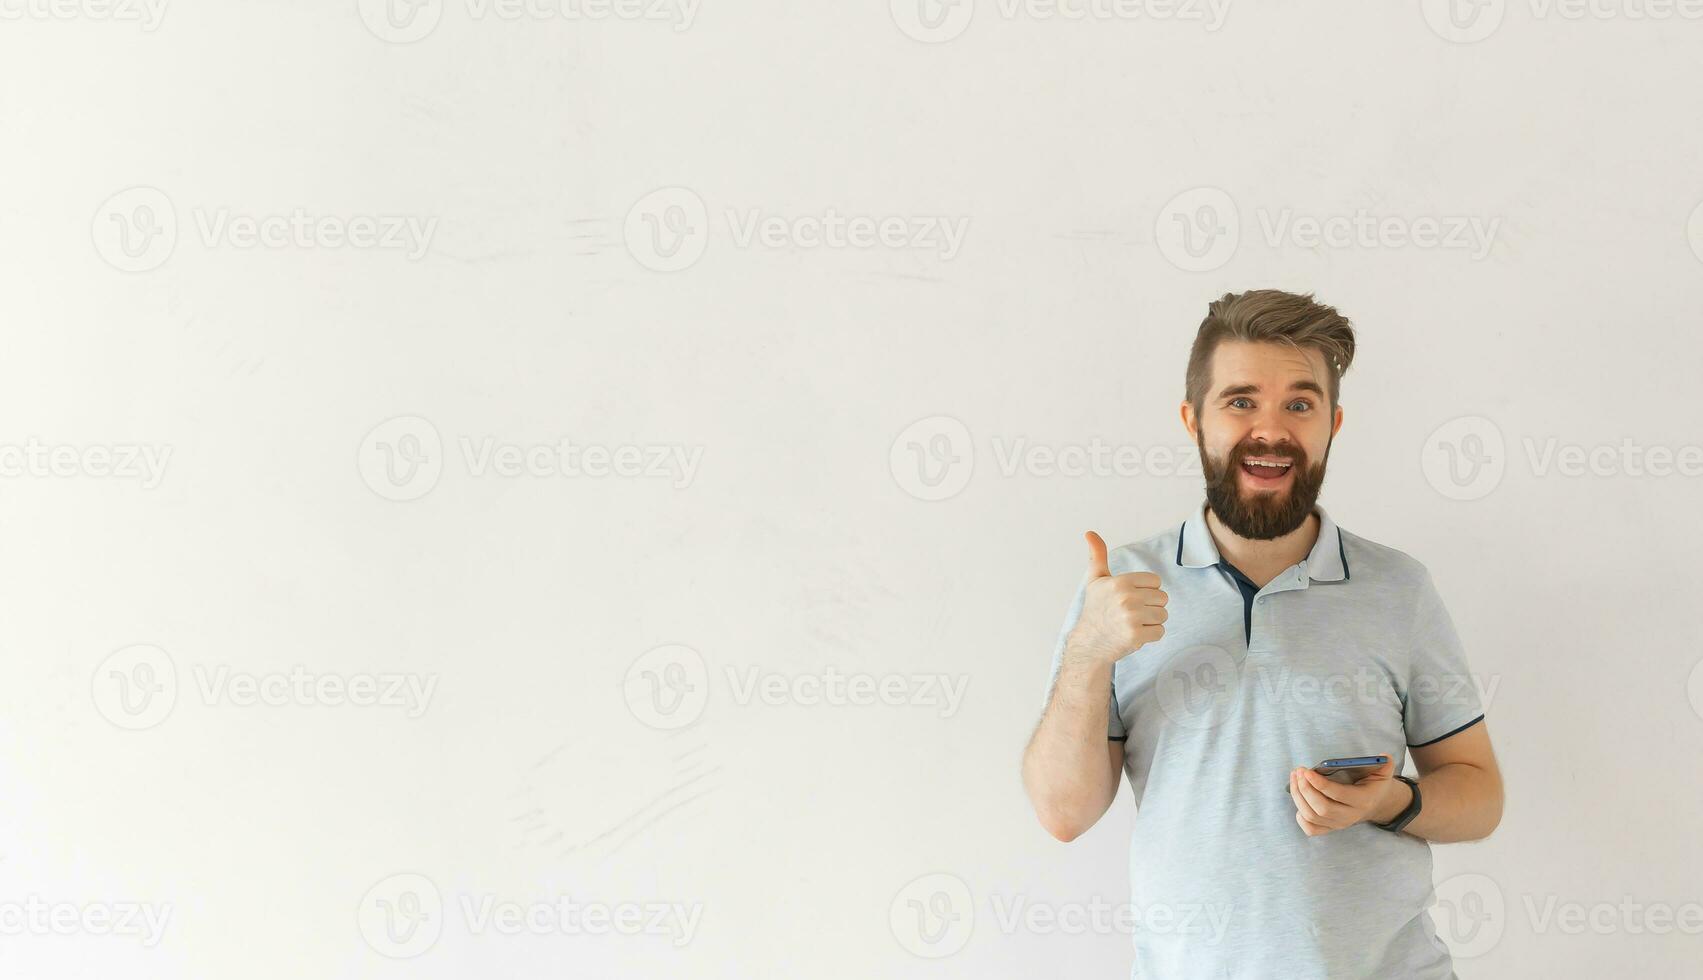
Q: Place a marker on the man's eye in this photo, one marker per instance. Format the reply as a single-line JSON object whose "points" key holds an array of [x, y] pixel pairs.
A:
{"points": [[1234, 401], [1305, 405]]}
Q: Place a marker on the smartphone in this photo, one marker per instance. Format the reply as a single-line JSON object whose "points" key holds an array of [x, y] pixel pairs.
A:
{"points": [[1347, 770]]}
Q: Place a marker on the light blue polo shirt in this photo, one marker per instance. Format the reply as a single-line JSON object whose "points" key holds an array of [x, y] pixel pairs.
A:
{"points": [[1348, 652]]}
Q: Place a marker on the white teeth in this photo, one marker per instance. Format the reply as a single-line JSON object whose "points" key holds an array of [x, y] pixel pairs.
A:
{"points": [[1275, 466]]}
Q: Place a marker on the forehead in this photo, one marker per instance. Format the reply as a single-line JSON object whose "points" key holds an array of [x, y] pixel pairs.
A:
{"points": [[1265, 364]]}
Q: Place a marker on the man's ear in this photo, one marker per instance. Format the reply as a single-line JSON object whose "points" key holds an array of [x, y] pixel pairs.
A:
{"points": [[1336, 424], [1190, 422]]}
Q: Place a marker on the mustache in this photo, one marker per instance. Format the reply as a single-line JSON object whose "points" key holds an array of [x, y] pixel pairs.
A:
{"points": [[1281, 450]]}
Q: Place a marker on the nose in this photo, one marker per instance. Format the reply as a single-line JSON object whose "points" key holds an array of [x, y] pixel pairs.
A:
{"points": [[1270, 425]]}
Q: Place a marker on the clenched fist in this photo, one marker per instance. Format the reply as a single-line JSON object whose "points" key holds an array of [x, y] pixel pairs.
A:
{"points": [[1120, 613]]}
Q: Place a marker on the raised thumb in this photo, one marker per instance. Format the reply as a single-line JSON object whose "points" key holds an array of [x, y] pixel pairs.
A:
{"points": [[1097, 566]]}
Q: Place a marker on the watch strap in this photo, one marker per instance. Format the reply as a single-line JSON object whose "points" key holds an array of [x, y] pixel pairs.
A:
{"points": [[1406, 816]]}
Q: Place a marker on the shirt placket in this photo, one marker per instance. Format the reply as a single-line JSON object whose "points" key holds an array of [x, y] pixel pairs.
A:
{"points": [[1291, 579]]}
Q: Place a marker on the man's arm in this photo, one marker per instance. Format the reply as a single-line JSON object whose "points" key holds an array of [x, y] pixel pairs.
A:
{"points": [[1070, 768], [1460, 785], [1070, 779]]}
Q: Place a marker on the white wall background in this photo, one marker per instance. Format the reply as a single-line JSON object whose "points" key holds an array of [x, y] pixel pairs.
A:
{"points": [[541, 309]]}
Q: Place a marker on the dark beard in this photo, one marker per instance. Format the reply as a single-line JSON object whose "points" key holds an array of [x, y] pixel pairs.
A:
{"points": [[1263, 516]]}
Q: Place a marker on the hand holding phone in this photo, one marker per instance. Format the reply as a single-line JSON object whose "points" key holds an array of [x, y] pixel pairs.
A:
{"points": [[1349, 769], [1338, 793]]}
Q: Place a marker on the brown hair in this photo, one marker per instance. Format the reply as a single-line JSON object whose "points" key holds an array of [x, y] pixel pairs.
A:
{"points": [[1271, 316]]}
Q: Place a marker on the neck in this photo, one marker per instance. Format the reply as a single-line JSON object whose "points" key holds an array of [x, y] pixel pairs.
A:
{"points": [[1262, 559]]}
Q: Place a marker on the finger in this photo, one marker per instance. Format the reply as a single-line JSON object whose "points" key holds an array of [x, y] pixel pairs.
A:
{"points": [[1302, 803], [1323, 809], [1339, 792], [1139, 580], [1310, 828], [1097, 567], [1384, 771]]}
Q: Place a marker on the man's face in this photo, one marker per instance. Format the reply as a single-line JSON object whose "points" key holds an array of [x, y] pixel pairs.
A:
{"points": [[1264, 432]]}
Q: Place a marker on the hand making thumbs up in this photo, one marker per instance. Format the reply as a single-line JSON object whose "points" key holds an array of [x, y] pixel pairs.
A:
{"points": [[1120, 613]]}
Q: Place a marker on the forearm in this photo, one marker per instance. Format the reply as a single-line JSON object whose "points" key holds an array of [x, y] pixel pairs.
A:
{"points": [[1066, 771], [1460, 802]]}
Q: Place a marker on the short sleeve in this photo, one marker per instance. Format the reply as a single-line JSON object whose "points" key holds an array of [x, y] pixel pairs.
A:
{"points": [[1114, 721], [1441, 697]]}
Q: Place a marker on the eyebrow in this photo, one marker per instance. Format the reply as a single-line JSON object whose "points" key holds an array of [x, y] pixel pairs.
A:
{"points": [[1250, 389]]}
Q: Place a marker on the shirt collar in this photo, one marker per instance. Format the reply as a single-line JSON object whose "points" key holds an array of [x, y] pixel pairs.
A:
{"points": [[1327, 562]]}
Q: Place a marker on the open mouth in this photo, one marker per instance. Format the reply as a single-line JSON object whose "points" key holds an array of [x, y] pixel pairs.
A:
{"points": [[1267, 471]]}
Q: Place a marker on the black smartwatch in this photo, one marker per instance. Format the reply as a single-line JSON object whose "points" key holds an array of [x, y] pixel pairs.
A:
{"points": [[1406, 816]]}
